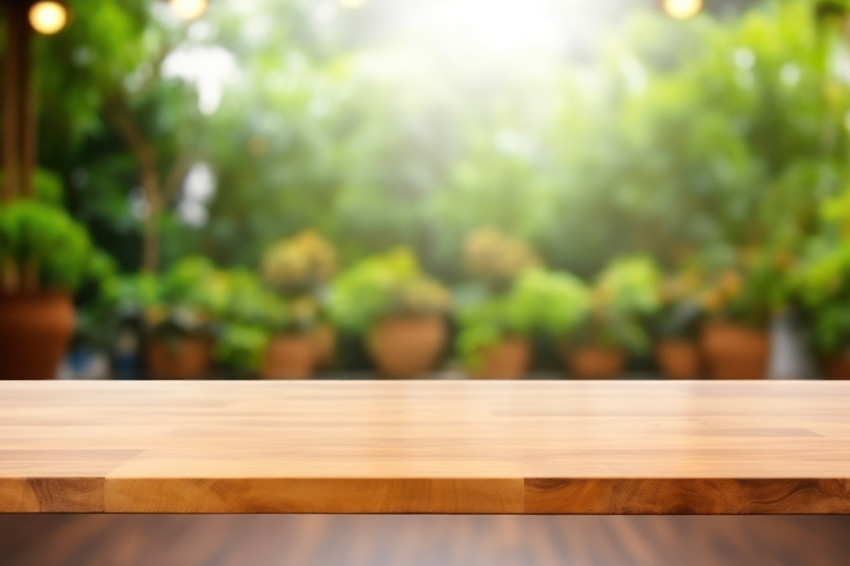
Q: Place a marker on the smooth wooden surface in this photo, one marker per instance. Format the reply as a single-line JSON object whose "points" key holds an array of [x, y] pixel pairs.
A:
{"points": [[416, 540], [425, 447]]}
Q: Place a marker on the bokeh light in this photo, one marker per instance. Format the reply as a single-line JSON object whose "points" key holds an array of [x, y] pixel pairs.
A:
{"points": [[48, 18], [682, 9], [189, 9]]}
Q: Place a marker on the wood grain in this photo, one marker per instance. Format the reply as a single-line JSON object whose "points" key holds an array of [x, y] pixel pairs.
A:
{"points": [[617, 447]]}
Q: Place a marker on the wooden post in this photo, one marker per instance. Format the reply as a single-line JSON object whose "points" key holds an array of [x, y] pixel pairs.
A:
{"points": [[19, 128]]}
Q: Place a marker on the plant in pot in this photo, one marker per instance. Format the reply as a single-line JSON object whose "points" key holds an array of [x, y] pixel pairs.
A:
{"points": [[177, 308], [677, 325], [625, 294], [494, 338], [300, 269], [260, 331], [822, 283], [44, 257], [739, 303], [495, 259], [398, 309]]}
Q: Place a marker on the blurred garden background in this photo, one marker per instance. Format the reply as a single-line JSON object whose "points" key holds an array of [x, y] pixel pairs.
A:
{"points": [[288, 188]]}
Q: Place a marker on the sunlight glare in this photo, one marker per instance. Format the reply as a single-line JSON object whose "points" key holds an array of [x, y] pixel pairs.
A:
{"points": [[496, 27]]}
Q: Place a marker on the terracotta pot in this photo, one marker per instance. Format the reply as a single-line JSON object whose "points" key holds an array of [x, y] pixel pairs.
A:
{"points": [[506, 360], [290, 356], [678, 359], [34, 333], [324, 345], [596, 362], [407, 346], [837, 366], [735, 351], [181, 358]]}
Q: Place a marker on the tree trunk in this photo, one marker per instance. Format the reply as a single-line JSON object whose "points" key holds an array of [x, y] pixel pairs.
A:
{"points": [[150, 228], [145, 155]]}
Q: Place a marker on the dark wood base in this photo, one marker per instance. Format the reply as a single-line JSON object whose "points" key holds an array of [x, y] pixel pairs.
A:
{"points": [[319, 540]]}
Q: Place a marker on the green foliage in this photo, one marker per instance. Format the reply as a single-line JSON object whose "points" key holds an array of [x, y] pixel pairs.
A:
{"points": [[384, 285], [48, 187], [629, 286], [707, 134], [250, 315], [496, 259], [539, 301], [181, 301], [301, 264], [823, 282], [188, 284], [746, 286], [680, 313], [625, 295], [554, 302], [241, 346], [37, 235], [487, 323]]}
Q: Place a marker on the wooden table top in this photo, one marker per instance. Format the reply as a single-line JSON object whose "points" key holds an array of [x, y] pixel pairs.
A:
{"points": [[425, 447]]}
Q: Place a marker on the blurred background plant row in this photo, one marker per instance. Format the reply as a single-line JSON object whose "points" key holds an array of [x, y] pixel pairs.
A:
{"points": [[606, 191]]}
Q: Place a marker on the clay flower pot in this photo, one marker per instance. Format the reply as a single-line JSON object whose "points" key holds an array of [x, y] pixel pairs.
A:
{"points": [[592, 362], [678, 359], [290, 356], [324, 345], [181, 358], [837, 366], [407, 346], [735, 351], [34, 334], [507, 360]]}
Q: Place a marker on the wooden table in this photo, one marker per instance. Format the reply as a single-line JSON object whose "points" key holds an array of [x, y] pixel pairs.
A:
{"points": [[425, 447]]}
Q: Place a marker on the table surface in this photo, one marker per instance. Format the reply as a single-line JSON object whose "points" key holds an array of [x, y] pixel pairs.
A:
{"points": [[425, 447]]}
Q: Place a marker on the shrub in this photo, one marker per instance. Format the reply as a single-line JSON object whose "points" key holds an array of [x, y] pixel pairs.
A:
{"points": [[748, 287], [554, 303], [301, 264], [822, 281], [42, 247], [625, 294], [497, 259], [384, 285], [249, 316], [179, 302]]}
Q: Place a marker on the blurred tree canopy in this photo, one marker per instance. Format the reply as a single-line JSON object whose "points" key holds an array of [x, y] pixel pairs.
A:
{"points": [[268, 117]]}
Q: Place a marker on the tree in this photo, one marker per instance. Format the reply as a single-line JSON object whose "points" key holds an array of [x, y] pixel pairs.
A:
{"points": [[107, 70]]}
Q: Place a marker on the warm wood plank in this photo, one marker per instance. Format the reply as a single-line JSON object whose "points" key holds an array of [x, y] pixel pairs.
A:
{"points": [[426, 447], [52, 495]]}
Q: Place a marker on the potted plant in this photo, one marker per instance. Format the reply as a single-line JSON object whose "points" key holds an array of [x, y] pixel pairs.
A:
{"points": [[822, 283], [177, 310], [496, 259], [624, 295], [494, 337], [399, 310], [739, 303], [677, 326], [260, 331], [300, 269], [44, 257]]}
